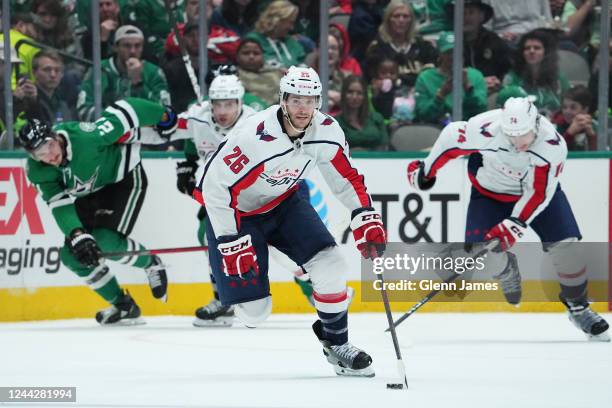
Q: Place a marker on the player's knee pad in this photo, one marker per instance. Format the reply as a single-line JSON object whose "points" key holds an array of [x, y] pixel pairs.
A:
{"points": [[327, 270], [568, 260], [255, 312]]}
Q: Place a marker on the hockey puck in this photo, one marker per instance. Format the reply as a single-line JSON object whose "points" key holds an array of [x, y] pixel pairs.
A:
{"points": [[395, 386]]}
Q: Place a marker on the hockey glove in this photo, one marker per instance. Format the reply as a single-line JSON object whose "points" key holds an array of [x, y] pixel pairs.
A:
{"points": [[84, 248], [239, 257], [416, 178], [185, 176], [507, 232], [369, 233], [168, 123]]}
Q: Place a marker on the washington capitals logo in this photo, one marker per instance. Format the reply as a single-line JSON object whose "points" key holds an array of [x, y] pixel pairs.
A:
{"points": [[556, 140], [263, 133], [484, 131], [327, 122]]}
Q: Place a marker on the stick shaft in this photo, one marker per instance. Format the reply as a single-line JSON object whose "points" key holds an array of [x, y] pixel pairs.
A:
{"points": [[140, 252], [398, 352]]}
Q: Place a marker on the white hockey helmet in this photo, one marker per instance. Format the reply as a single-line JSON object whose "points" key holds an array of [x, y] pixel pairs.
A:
{"points": [[519, 116], [300, 81], [226, 87]]}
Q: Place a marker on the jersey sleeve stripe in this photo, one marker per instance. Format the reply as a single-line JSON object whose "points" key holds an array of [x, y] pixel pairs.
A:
{"points": [[343, 166], [447, 156], [130, 113], [540, 181], [119, 115], [60, 203]]}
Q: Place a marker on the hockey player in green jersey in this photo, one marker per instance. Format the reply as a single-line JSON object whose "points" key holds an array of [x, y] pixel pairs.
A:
{"points": [[90, 175]]}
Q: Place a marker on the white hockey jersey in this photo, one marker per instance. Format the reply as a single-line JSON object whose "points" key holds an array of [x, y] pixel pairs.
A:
{"points": [[527, 178], [258, 166]]}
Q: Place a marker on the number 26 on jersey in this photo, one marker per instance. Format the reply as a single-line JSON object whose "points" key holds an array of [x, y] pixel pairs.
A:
{"points": [[236, 160]]}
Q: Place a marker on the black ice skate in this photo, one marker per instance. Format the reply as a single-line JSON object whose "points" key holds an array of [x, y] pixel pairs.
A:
{"points": [[593, 325], [158, 281], [124, 312], [347, 359], [214, 314], [510, 280]]}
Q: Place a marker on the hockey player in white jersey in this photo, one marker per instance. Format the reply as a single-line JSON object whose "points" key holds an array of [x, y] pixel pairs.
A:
{"points": [[204, 126], [515, 160], [248, 189]]}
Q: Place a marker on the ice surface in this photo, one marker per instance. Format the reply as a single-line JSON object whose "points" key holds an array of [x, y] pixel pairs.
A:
{"points": [[452, 360]]}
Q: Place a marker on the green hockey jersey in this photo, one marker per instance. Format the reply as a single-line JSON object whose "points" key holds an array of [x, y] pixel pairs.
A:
{"points": [[98, 153]]}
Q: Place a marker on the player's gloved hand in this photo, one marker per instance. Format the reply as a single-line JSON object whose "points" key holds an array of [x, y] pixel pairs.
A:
{"points": [[507, 232], [185, 176], [369, 232], [239, 257], [416, 178], [84, 248], [168, 123]]}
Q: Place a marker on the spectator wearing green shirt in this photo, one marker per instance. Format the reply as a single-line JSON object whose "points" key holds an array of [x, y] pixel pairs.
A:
{"points": [[536, 70], [363, 128], [433, 89]]}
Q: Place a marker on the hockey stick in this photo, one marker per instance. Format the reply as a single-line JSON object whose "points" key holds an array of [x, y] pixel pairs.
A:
{"points": [[186, 60], [400, 363], [140, 252], [489, 246]]}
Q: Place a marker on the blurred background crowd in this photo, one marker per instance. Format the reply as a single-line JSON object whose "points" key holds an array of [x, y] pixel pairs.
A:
{"points": [[390, 62]]}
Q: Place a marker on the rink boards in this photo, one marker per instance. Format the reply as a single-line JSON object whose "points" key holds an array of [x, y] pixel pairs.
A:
{"points": [[34, 285]]}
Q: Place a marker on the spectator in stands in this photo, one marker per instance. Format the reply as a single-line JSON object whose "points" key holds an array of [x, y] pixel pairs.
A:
{"points": [[257, 77], [434, 99], [578, 18], [482, 48], [152, 18], [22, 29], [364, 128], [439, 19], [347, 62], [110, 20], [52, 21], [222, 43], [508, 92], [397, 39], [536, 69], [365, 20], [513, 18], [594, 83], [272, 32], [307, 23], [50, 105], [336, 74], [236, 15], [179, 83], [125, 74], [23, 94], [574, 122]]}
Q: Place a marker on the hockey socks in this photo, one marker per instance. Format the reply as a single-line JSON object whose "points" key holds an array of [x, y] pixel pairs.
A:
{"points": [[334, 327]]}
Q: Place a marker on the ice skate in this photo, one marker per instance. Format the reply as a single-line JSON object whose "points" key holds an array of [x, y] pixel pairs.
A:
{"points": [[348, 360], [124, 312], [214, 314], [593, 325], [510, 280], [158, 281]]}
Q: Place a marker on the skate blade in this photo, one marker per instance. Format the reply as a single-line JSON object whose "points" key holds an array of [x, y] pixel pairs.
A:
{"points": [[602, 337], [347, 372], [138, 321], [223, 321]]}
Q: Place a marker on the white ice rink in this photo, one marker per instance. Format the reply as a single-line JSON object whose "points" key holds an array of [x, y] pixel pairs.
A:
{"points": [[452, 360]]}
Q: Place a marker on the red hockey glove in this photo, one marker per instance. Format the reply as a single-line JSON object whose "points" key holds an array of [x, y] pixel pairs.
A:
{"points": [[239, 257], [369, 233], [416, 177], [507, 232]]}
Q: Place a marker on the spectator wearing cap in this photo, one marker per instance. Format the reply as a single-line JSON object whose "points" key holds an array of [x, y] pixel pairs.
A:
{"points": [[22, 29], [110, 20], [125, 74], [433, 90], [482, 48]]}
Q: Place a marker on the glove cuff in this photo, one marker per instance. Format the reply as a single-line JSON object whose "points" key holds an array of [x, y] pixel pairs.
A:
{"points": [[424, 185], [234, 246], [517, 221], [364, 217]]}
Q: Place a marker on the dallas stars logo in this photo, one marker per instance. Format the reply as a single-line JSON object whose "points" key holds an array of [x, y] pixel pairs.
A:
{"points": [[83, 187]]}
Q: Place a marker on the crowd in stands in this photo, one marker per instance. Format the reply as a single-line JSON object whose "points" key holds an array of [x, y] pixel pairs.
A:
{"points": [[390, 62]]}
